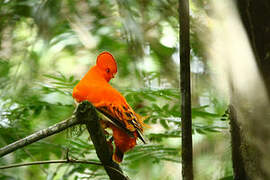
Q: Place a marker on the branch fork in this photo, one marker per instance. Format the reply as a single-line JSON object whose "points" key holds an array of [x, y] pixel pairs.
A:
{"points": [[84, 114]]}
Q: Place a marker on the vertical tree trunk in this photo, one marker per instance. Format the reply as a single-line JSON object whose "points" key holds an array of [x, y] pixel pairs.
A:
{"points": [[237, 159], [255, 16], [254, 119], [187, 165]]}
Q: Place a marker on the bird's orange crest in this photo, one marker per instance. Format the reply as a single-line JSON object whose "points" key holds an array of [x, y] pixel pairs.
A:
{"points": [[106, 60], [107, 63]]}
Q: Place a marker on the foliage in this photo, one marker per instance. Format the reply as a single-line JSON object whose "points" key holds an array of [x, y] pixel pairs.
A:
{"points": [[47, 46]]}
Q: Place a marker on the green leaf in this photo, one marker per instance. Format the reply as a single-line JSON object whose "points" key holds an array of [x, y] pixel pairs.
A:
{"points": [[164, 123]]}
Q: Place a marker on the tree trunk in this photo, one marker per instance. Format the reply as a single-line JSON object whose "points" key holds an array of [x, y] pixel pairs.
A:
{"points": [[187, 166], [254, 115], [255, 16], [236, 141]]}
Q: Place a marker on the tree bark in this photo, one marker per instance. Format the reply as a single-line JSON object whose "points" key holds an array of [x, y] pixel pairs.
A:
{"points": [[236, 141], [104, 152], [38, 135], [254, 115], [187, 165], [255, 16]]}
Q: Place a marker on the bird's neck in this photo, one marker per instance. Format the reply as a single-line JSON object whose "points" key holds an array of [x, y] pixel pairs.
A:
{"points": [[95, 74]]}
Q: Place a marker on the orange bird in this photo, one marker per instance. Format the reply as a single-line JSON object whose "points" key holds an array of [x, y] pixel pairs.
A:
{"points": [[126, 125]]}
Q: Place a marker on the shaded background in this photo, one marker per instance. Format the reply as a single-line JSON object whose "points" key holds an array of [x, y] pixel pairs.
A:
{"points": [[47, 46]]}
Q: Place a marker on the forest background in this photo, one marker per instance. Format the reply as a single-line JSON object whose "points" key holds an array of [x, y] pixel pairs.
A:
{"points": [[47, 46]]}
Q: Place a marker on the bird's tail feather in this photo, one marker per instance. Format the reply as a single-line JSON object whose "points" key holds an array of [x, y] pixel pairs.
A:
{"points": [[140, 136], [118, 155]]}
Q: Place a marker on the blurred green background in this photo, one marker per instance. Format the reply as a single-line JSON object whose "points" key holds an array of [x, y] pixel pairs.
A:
{"points": [[46, 46]]}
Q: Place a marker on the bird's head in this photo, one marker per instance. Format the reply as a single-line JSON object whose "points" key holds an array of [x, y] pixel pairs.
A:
{"points": [[107, 64]]}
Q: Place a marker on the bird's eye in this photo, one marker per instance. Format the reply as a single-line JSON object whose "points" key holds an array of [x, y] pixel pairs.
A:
{"points": [[107, 70]]}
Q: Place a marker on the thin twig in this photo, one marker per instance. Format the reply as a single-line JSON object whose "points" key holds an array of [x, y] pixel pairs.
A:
{"points": [[68, 160], [34, 159], [50, 162]]}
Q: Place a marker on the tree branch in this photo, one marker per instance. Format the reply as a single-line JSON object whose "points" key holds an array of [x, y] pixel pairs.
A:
{"points": [[50, 162], [187, 165], [39, 135], [70, 161], [87, 114]]}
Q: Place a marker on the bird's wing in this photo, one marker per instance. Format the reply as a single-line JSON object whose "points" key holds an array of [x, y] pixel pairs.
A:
{"points": [[123, 117]]}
